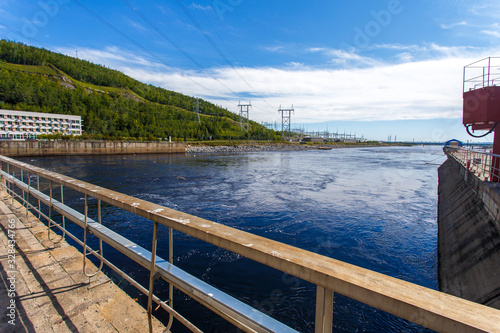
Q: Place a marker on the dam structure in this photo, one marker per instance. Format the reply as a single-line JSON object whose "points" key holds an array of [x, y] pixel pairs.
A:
{"points": [[20, 148], [36, 198], [469, 226]]}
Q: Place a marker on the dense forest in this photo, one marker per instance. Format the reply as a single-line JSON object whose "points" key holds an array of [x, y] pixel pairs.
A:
{"points": [[112, 104]]}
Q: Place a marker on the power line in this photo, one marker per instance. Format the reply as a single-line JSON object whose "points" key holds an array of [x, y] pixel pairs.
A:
{"points": [[216, 48], [227, 48], [20, 33], [112, 27], [200, 29], [184, 53], [216, 32], [160, 60], [109, 25]]}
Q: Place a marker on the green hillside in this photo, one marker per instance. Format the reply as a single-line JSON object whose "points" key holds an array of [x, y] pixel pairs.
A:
{"points": [[112, 104]]}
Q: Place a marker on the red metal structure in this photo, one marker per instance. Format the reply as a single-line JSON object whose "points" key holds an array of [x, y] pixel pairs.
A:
{"points": [[481, 93]]}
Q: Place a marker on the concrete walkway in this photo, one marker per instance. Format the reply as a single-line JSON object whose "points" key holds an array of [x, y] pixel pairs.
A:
{"points": [[43, 288]]}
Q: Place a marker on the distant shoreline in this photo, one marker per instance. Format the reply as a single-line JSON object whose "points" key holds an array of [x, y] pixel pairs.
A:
{"points": [[101, 147], [242, 148]]}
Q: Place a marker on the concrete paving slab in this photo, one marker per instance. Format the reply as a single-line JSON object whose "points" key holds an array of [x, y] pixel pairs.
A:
{"points": [[47, 286]]}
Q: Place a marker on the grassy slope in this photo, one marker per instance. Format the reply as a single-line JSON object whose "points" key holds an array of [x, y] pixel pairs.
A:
{"points": [[44, 70]]}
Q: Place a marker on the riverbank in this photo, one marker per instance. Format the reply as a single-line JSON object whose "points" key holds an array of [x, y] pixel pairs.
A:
{"points": [[100, 147], [249, 147]]}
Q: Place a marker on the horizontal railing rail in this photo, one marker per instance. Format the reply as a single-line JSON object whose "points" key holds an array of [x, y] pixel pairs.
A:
{"points": [[423, 306], [76, 217], [240, 314]]}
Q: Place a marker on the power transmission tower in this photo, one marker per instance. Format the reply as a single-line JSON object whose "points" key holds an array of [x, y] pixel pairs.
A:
{"points": [[244, 108], [286, 122], [198, 111]]}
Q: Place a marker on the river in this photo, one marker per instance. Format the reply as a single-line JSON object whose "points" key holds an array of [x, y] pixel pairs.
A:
{"points": [[372, 207]]}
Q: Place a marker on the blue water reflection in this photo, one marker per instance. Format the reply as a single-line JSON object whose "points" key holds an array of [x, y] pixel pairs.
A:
{"points": [[372, 207]]}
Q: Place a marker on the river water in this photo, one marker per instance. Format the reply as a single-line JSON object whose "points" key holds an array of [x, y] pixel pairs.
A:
{"points": [[371, 207]]}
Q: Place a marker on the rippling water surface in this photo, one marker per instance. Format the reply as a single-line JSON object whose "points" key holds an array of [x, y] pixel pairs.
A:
{"points": [[372, 207]]}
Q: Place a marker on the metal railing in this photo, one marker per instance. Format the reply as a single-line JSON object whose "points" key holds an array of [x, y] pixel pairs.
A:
{"points": [[481, 74], [485, 165], [423, 306]]}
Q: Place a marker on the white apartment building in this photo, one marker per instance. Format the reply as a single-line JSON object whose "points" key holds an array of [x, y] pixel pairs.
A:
{"points": [[28, 125]]}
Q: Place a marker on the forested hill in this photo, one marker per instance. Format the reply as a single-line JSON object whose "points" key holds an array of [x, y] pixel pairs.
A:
{"points": [[112, 104]]}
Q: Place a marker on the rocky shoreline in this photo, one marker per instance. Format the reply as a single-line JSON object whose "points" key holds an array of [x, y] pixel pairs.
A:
{"points": [[259, 148]]}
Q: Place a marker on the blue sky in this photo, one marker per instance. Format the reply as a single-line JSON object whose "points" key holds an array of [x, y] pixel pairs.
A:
{"points": [[374, 68]]}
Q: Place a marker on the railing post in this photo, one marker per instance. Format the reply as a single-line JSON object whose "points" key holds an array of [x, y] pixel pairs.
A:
{"points": [[495, 162], [63, 218], [86, 215], [49, 224], [22, 181], [28, 196], [8, 172], [324, 310], [485, 166], [10, 184], [2, 179], [170, 285], [12, 190], [39, 203], [99, 220], [152, 271], [489, 70]]}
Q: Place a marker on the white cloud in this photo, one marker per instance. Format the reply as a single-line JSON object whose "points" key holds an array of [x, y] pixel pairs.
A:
{"points": [[493, 33], [296, 64], [111, 56], [344, 57], [388, 52], [453, 25], [425, 51], [136, 25], [488, 8], [397, 47], [450, 51], [275, 48], [317, 49], [493, 30], [6, 15], [201, 7], [405, 57], [421, 89]]}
